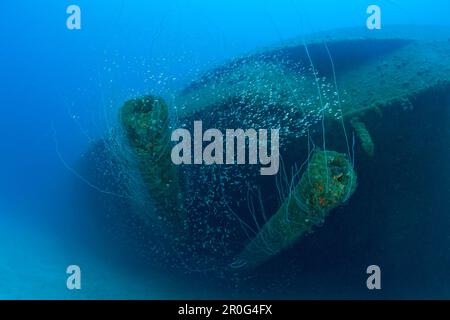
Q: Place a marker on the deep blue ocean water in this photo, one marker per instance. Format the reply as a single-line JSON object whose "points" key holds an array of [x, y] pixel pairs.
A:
{"points": [[60, 88]]}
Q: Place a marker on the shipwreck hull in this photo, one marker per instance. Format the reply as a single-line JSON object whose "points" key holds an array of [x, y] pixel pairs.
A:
{"points": [[355, 83]]}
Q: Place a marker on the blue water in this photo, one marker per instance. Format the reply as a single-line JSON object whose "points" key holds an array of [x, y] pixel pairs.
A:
{"points": [[59, 90]]}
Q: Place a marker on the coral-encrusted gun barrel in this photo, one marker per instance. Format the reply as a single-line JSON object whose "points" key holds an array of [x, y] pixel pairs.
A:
{"points": [[328, 181], [145, 121]]}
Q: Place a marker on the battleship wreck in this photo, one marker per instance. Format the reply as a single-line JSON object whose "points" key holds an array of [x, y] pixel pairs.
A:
{"points": [[324, 92]]}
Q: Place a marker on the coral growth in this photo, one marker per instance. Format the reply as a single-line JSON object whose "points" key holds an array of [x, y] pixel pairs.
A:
{"points": [[145, 121], [328, 181]]}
